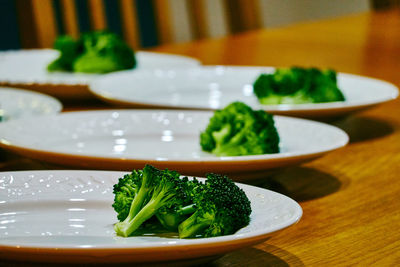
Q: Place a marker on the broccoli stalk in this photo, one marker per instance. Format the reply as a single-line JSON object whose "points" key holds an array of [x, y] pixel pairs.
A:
{"points": [[171, 219], [196, 224], [157, 189]]}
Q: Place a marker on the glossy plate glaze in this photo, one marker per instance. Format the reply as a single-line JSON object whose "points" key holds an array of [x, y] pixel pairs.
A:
{"points": [[17, 103], [213, 87], [126, 139], [28, 69], [66, 216]]}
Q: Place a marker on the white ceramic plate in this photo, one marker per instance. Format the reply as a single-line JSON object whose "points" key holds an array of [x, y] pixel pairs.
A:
{"points": [[214, 87], [126, 139], [28, 68], [66, 216], [17, 103]]}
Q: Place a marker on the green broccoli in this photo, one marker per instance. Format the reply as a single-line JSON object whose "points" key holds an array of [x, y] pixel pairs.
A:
{"points": [[170, 216], [238, 130], [297, 86], [68, 48], [125, 191], [192, 208], [103, 52], [93, 52], [222, 208], [153, 190]]}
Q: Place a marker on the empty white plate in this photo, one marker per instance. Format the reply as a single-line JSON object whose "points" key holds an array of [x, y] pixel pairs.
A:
{"points": [[66, 216], [214, 87], [17, 103], [127, 139]]}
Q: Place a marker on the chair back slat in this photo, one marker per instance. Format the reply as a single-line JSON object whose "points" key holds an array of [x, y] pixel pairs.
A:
{"points": [[243, 15], [129, 23], [142, 23], [216, 18], [163, 21], [97, 14], [69, 18], [198, 17]]}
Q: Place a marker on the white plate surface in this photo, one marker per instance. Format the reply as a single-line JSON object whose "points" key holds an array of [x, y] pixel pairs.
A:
{"points": [[17, 103], [214, 87], [122, 139], [29, 66], [56, 211]]}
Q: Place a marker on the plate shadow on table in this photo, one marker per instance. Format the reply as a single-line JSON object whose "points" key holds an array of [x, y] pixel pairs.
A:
{"points": [[272, 256], [181, 263], [301, 183], [13, 162], [244, 257], [363, 128]]}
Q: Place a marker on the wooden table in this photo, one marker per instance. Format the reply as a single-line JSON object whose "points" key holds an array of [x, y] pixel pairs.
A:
{"points": [[351, 197]]}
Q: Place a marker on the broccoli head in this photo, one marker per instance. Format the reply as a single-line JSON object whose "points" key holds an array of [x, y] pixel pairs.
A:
{"points": [[125, 191], [93, 52], [148, 198], [297, 86], [238, 130], [170, 216], [68, 48], [153, 190], [103, 52], [222, 208]]}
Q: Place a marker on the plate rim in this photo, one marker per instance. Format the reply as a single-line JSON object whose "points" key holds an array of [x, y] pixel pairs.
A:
{"points": [[245, 163], [241, 240], [337, 106], [85, 79], [56, 104]]}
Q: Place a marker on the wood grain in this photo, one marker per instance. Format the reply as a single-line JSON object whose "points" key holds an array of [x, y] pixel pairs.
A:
{"points": [[350, 197]]}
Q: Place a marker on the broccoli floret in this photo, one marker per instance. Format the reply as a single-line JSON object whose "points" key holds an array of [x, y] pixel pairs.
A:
{"points": [[192, 208], [238, 130], [93, 52], [170, 216], [297, 86], [69, 49], [154, 189], [222, 208], [103, 52], [125, 191]]}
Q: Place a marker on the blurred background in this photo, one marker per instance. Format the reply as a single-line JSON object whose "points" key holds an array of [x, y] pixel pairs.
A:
{"points": [[148, 23]]}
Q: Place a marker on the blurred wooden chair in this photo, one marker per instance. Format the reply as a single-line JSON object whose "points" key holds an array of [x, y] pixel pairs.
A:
{"points": [[146, 23], [384, 4], [185, 20], [142, 23]]}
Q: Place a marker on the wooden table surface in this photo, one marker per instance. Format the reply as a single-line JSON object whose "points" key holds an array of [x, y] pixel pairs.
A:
{"points": [[351, 197]]}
